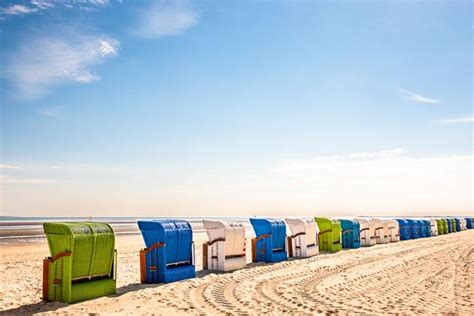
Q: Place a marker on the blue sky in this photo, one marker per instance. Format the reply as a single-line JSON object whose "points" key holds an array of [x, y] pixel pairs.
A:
{"points": [[237, 108]]}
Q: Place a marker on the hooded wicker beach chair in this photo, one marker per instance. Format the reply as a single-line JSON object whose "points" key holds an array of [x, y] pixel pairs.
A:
{"points": [[83, 261], [381, 231], [426, 228], [169, 252], [450, 225], [413, 225], [460, 223], [404, 229], [433, 227], [468, 222], [225, 250], [393, 230], [330, 234], [442, 229], [269, 245], [367, 232], [303, 241], [350, 233]]}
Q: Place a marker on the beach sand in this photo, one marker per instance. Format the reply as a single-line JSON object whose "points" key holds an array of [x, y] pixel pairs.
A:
{"points": [[431, 275]]}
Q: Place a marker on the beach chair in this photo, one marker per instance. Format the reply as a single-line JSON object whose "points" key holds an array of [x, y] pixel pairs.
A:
{"points": [[350, 233], [460, 224], [303, 241], [442, 228], [83, 262], [445, 225], [468, 222], [433, 227], [169, 252], [269, 245], [450, 226], [225, 250], [453, 225], [404, 229], [367, 232], [329, 234], [413, 225], [393, 230], [426, 227], [381, 231], [421, 229]]}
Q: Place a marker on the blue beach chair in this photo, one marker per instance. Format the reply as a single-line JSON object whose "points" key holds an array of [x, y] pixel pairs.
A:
{"points": [[426, 224], [450, 225], [169, 255], [414, 231], [404, 229], [350, 233], [270, 242], [468, 222]]}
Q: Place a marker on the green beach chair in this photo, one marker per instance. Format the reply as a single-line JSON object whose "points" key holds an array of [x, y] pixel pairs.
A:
{"points": [[441, 228], [329, 234], [83, 261]]}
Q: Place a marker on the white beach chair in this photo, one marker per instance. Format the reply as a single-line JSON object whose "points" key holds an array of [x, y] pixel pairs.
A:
{"points": [[225, 250], [463, 223], [393, 230], [303, 241], [434, 227], [381, 231], [367, 232]]}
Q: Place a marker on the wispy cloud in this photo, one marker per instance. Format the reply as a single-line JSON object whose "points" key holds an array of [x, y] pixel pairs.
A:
{"points": [[9, 166], [18, 9], [43, 61], [165, 18], [458, 120], [50, 112], [418, 98], [14, 180]]}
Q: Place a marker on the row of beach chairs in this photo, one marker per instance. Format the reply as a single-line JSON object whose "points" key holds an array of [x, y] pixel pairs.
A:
{"points": [[83, 262]]}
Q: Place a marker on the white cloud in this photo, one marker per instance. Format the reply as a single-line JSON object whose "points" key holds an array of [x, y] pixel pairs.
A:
{"points": [[418, 98], [14, 180], [18, 9], [458, 120], [43, 61], [165, 18], [9, 167]]}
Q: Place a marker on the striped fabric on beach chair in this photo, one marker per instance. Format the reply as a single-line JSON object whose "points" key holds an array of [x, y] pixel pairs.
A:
{"points": [[83, 261]]}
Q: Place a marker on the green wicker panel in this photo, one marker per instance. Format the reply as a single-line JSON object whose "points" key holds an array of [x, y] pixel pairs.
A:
{"points": [[86, 290]]}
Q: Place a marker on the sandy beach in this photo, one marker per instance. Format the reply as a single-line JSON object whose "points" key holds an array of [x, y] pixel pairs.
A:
{"points": [[419, 276]]}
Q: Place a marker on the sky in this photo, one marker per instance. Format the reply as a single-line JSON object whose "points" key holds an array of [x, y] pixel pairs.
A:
{"points": [[236, 108]]}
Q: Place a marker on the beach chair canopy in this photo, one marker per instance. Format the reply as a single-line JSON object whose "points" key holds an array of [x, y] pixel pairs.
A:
{"points": [[176, 234], [350, 233], [92, 246], [82, 263], [330, 234], [232, 234], [270, 242], [276, 228], [169, 255], [304, 236], [404, 228]]}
